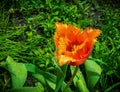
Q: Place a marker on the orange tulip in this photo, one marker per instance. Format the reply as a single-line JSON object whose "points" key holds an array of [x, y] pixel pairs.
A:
{"points": [[73, 45]]}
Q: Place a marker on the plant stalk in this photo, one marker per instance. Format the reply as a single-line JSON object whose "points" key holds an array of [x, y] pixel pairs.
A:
{"points": [[71, 79]]}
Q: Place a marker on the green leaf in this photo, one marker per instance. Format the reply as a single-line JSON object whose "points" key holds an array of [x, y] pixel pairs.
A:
{"points": [[64, 85], [61, 73], [17, 71], [44, 77], [27, 89], [79, 81], [93, 71], [81, 86], [49, 78], [40, 78]]}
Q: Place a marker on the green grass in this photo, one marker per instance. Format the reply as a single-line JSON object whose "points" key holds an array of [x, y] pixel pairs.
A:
{"points": [[27, 29]]}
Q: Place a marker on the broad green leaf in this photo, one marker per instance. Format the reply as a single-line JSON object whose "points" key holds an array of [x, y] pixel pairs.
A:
{"points": [[81, 86], [43, 81], [40, 78], [79, 80], [44, 77], [78, 76], [17, 71], [61, 73], [27, 89], [50, 79], [93, 71], [64, 85]]}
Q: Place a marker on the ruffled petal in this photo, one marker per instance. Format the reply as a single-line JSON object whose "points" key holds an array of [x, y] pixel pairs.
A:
{"points": [[73, 45]]}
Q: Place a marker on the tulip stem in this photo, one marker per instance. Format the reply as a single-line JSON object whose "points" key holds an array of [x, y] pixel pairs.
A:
{"points": [[71, 79]]}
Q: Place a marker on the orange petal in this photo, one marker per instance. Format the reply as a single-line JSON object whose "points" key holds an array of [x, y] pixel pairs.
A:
{"points": [[61, 46], [60, 32], [56, 39], [78, 62], [92, 33], [61, 29], [63, 59]]}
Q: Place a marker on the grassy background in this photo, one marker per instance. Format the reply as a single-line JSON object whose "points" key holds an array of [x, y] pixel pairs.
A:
{"points": [[27, 28]]}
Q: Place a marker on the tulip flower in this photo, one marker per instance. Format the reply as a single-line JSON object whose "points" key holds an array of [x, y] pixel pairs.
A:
{"points": [[73, 44]]}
